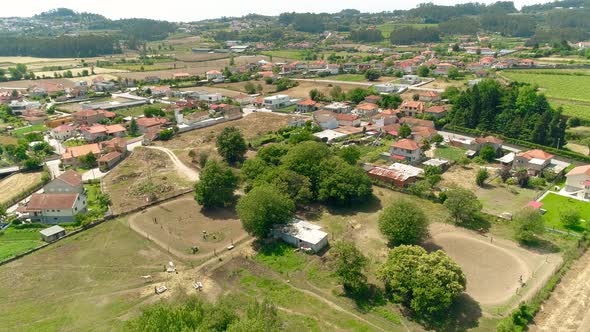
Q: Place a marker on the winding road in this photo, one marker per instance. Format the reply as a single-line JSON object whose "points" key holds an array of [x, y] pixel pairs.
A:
{"points": [[189, 173]]}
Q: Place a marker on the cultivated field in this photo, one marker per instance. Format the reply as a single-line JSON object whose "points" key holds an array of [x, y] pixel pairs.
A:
{"points": [[556, 204], [181, 224], [24, 84], [76, 71], [496, 198], [147, 175], [564, 87], [14, 185], [567, 307]]}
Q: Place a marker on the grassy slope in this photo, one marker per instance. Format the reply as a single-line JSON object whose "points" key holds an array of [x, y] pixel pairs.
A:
{"points": [[84, 282], [15, 241]]}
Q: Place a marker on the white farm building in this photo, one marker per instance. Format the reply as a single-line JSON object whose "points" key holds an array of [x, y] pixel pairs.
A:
{"points": [[302, 234]]}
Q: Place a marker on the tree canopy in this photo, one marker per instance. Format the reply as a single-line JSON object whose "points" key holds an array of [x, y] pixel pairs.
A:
{"points": [[231, 145], [403, 222], [262, 207], [216, 186], [349, 266], [427, 283], [462, 204]]}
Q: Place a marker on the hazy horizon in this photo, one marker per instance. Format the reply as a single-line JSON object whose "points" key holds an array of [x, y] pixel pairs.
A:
{"points": [[176, 10]]}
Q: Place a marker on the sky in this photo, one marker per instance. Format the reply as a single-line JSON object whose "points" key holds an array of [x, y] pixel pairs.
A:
{"points": [[194, 10]]}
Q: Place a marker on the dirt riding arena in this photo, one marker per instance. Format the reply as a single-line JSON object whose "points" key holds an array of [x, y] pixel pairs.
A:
{"points": [[493, 267], [179, 225]]}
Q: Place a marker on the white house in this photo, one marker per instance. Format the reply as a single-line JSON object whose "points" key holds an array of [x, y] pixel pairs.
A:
{"points": [[578, 180], [406, 150], [278, 101], [302, 234], [55, 208], [211, 97], [325, 119], [63, 132], [214, 75]]}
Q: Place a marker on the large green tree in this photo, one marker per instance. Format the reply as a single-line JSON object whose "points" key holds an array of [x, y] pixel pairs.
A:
{"points": [[427, 283], [231, 145], [343, 183], [403, 222], [216, 186], [305, 158], [528, 225], [462, 204], [263, 207], [349, 266]]}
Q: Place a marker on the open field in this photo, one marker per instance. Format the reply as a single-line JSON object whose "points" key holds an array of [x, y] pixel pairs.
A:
{"points": [[204, 63], [567, 307], [146, 174], [302, 90], [7, 140], [572, 87], [560, 87], [493, 266], [449, 152], [24, 84], [76, 71], [21, 132], [555, 204], [91, 281], [496, 198], [180, 224], [15, 241], [203, 140], [29, 60], [15, 184]]}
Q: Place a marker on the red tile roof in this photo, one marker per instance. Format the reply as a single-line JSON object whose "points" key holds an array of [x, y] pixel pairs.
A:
{"points": [[307, 102], [346, 117], [71, 177], [52, 201], [150, 122], [367, 107], [82, 150], [536, 154], [110, 156], [580, 170], [406, 144], [436, 109]]}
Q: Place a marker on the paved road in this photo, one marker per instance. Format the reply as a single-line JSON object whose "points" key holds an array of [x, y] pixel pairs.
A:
{"points": [[447, 136], [186, 171]]}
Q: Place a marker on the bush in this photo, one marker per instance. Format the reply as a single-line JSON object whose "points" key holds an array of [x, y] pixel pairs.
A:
{"points": [[537, 182], [482, 176]]}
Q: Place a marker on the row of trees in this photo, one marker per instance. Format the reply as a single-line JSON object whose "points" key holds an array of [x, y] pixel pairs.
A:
{"points": [[194, 314], [56, 47], [514, 111]]}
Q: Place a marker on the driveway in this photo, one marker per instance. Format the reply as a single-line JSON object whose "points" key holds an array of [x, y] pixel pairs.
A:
{"points": [[53, 167], [186, 171], [93, 174]]}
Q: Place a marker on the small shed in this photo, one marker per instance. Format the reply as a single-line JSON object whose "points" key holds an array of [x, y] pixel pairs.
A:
{"points": [[52, 233], [302, 234]]}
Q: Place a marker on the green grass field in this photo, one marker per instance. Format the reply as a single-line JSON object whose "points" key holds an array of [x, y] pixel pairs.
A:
{"points": [[15, 241], [449, 152], [137, 110], [87, 282], [346, 78], [560, 87], [555, 204], [20, 132]]}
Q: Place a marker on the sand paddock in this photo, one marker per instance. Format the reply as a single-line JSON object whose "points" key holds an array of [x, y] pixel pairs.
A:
{"points": [[493, 267], [179, 224]]}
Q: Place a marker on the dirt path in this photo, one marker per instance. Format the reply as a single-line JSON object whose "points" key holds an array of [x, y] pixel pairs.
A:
{"points": [[184, 170], [568, 307]]}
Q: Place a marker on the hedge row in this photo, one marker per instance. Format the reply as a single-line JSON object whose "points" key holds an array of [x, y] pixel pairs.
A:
{"points": [[559, 152]]}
